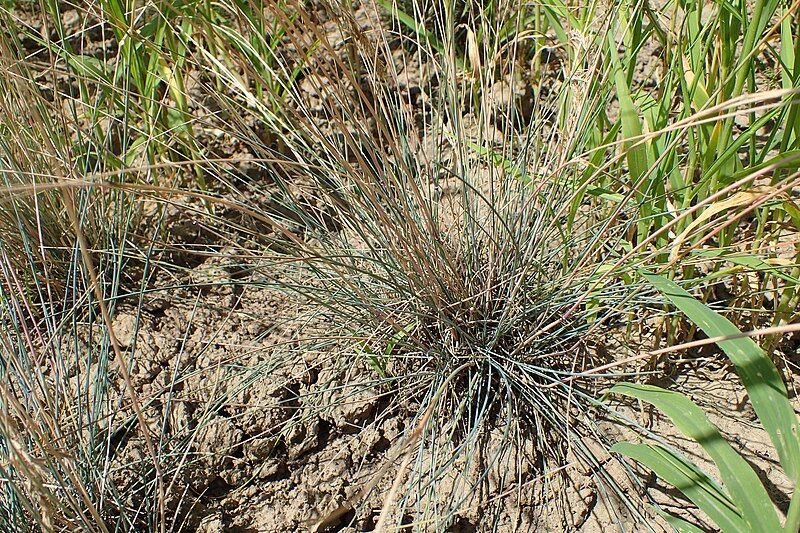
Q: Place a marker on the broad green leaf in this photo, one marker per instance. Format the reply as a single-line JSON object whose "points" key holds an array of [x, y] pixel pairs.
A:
{"points": [[499, 160], [636, 151], [738, 477], [680, 525], [377, 364], [793, 211], [88, 67], [606, 194], [699, 94], [414, 25], [787, 52], [750, 261], [555, 12], [399, 336], [135, 149], [788, 160], [732, 149], [690, 480], [757, 372]]}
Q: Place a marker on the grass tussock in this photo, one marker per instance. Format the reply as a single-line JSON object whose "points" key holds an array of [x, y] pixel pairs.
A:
{"points": [[461, 196]]}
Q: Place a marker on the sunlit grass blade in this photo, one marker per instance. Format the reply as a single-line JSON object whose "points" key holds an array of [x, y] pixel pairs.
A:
{"points": [[680, 525], [698, 486], [751, 262], [738, 477], [413, 24], [756, 370]]}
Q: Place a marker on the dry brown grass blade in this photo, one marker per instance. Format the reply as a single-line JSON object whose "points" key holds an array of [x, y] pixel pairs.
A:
{"points": [[775, 330]]}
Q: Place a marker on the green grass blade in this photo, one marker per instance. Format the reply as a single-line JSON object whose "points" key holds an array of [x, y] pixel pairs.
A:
{"points": [[636, 151], [756, 370], [680, 525], [690, 480], [738, 477], [410, 22], [749, 261], [787, 53]]}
